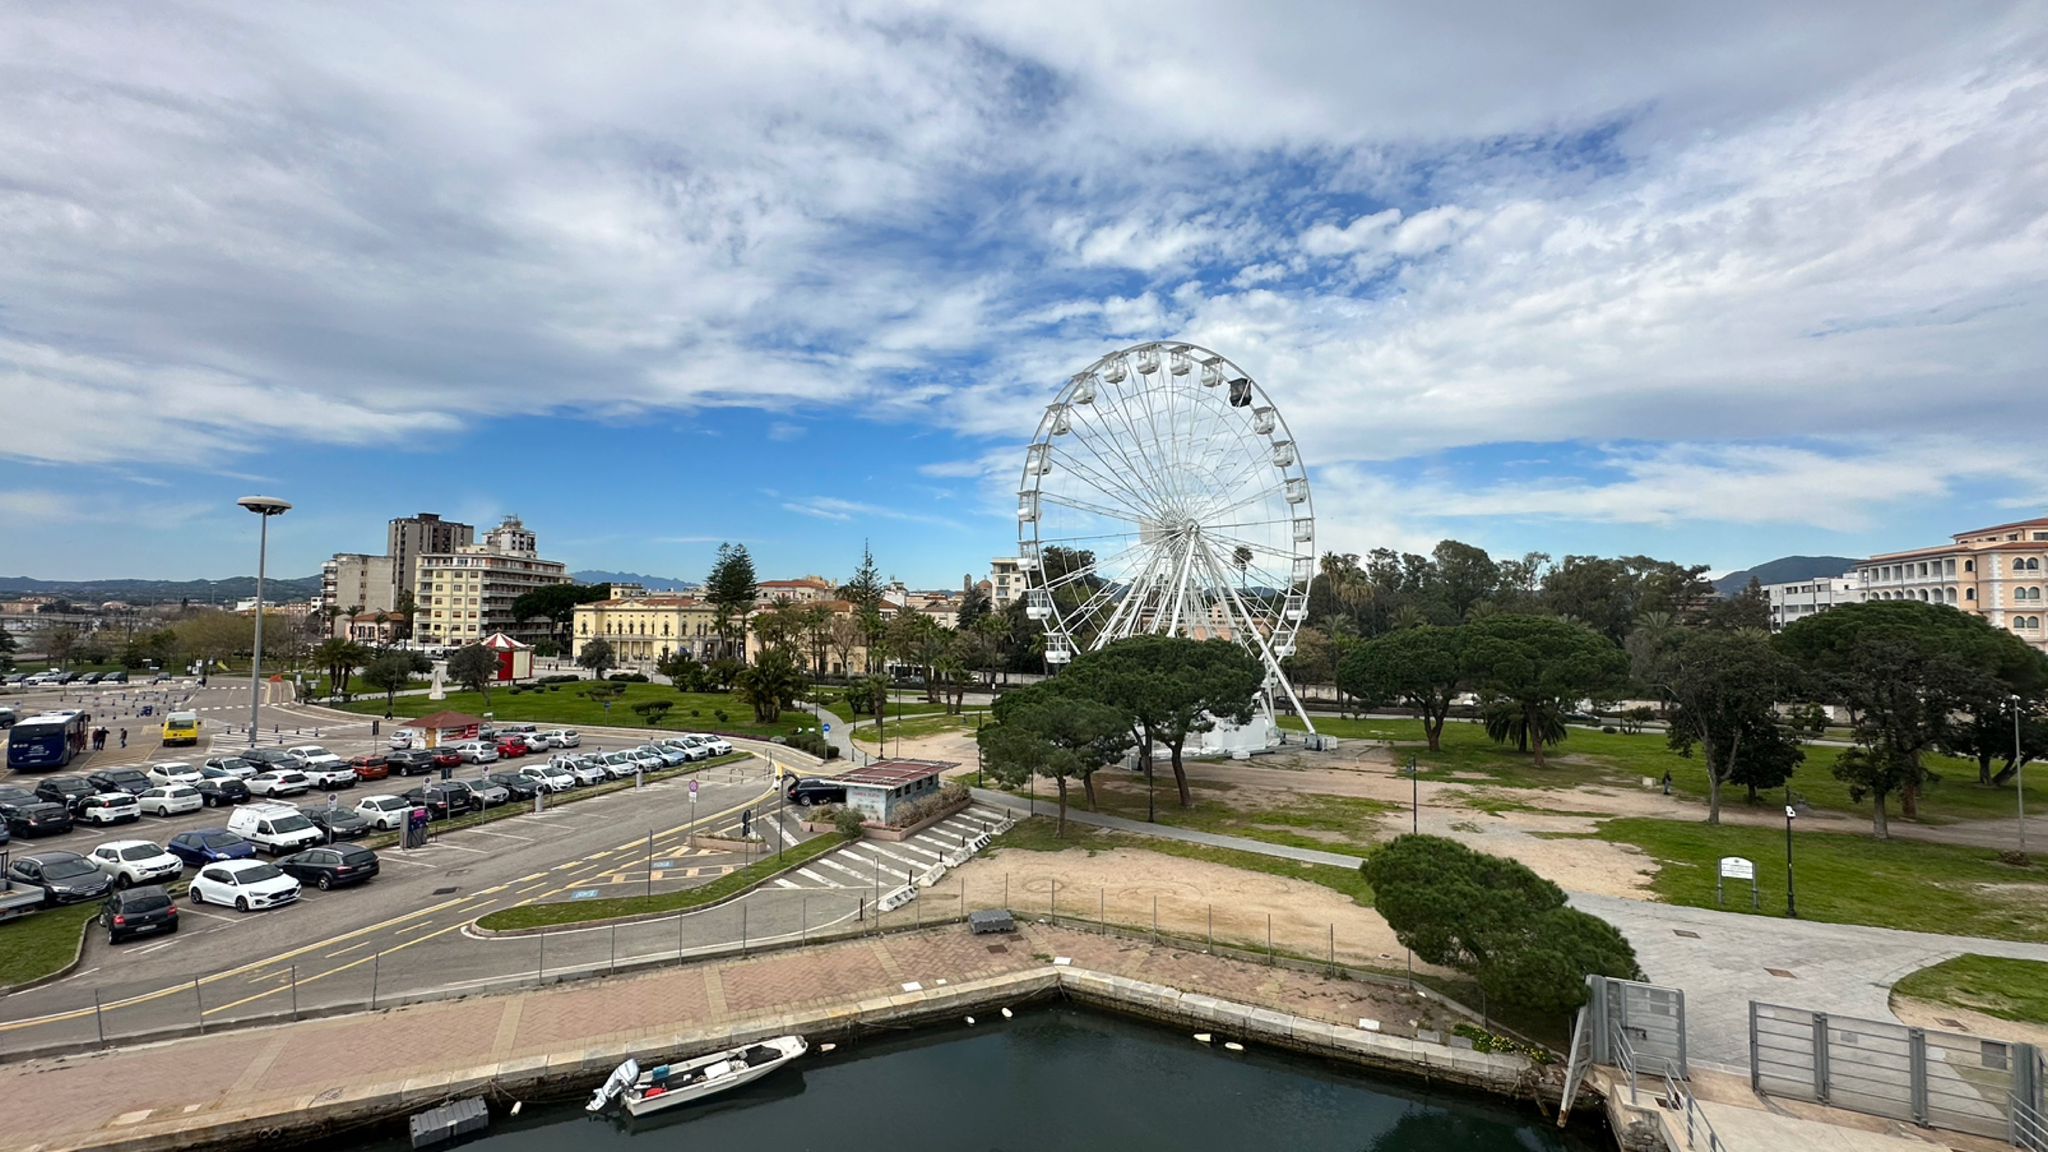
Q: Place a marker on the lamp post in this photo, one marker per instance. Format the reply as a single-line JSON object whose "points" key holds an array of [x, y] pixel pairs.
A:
{"points": [[1791, 905], [264, 507], [2020, 765], [1415, 795]]}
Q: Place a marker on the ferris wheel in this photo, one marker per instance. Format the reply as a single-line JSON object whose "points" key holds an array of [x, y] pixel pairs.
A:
{"points": [[1163, 493]]}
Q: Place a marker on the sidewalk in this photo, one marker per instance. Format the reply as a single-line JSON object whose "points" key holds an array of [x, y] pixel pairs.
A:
{"points": [[260, 1077]]}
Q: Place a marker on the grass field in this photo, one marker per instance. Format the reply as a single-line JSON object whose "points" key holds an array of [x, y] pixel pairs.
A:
{"points": [[1304, 820], [1589, 757], [1035, 834], [40, 944], [730, 884], [1848, 879], [1993, 985], [565, 704], [916, 726]]}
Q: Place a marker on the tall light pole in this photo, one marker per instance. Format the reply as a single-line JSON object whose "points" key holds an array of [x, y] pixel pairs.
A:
{"points": [[1791, 906], [2019, 765], [264, 507]]}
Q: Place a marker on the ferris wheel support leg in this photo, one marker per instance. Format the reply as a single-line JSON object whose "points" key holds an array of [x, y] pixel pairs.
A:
{"points": [[1265, 650]]}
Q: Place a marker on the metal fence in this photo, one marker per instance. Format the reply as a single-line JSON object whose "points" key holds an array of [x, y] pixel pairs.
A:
{"points": [[1938, 1079], [1643, 1022]]}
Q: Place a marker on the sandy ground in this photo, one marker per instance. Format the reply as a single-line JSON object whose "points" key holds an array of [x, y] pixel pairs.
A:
{"points": [[1921, 1014]]}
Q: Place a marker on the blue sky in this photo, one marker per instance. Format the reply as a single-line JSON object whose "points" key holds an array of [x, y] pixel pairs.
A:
{"points": [[1714, 285]]}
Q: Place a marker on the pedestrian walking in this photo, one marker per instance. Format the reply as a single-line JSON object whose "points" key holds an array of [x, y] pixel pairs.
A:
{"points": [[124, 737]]}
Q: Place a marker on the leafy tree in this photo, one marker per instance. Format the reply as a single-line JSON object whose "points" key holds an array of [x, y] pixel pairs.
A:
{"points": [[1539, 668], [403, 610], [1172, 687], [731, 589], [651, 711], [475, 667], [1314, 660], [1723, 688], [683, 671], [1421, 668], [919, 639], [393, 670], [769, 685], [1494, 919], [1465, 576], [1907, 671], [1749, 608], [1048, 729], [1608, 595], [597, 656], [7, 651], [339, 659], [974, 608], [783, 626], [59, 642], [557, 604], [845, 635], [1771, 753], [1986, 736]]}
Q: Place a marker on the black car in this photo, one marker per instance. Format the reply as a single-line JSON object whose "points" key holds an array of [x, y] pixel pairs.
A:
{"points": [[65, 790], [811, 792], [64, 877], [126, 780], [330, 867], [440, 802], [218, 789], [339, 823], [410, 762], [91, 678], [35, 817], [521, 787], [115, 678], [134, 911]]}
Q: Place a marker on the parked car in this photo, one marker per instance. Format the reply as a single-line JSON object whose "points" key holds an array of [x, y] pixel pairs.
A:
{"points": [[129, 862], [403, 740], [477, 752], [663, 755], [120, 780], [339, 823], [440, 801], [370, 766], [170, 799], [90, 678], [137, 911], [245, 885], [330, 867], [104, 808], [272, 759], [483, 793], [719, 745], [275, 828], [331, 775], [688, 748], [27, 816], [281, 782], [217, 789], [384, 812], [410, 762], [536, 741], [651, 758], [519, 787], [511, 748], [173, 772], [64, 877], [239, 767], [587, 770], [813, 791], [550, 776], [564, 738], [115, 677], [65, 790], [447, 757], [210, 845], [314, 756]]}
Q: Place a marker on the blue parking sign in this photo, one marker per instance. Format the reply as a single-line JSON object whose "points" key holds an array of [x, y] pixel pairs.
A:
{"points": [[828, 729]]}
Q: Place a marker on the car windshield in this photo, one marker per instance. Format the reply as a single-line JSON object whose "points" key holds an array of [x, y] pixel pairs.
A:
{"points": [[220, 840], [70, 786], [127, 776], [235, 764], [258, 873], [290, 824], [66, 869], [312, 750], [141, 852]]}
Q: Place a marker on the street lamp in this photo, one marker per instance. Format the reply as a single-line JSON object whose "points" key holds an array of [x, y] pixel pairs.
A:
{"points": [[2020, 763], [1415, 790], [1791, 906], [264, 507]]}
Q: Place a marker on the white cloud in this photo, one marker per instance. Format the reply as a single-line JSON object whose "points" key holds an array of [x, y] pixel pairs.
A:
{"points": [[834, 508]]}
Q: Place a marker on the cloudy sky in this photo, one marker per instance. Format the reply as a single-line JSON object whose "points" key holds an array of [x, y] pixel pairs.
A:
{"points": [[1714, 282]]}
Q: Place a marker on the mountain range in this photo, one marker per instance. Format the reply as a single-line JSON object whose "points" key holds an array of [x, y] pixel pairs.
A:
{"points": [[227, 591], [1784, 570], [651, 583]]}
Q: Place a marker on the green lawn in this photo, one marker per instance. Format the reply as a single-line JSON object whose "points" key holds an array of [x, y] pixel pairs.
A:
{"points": [[730, 884], [1302, 820], [2007, 989], [916, 726], [1035, 834], [1591, 757], [566, 705], [42, 943], [1848, 879]]}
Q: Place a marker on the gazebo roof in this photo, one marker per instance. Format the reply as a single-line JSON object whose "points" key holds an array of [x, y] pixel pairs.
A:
{"points": [[503, 643], [442, 721]]}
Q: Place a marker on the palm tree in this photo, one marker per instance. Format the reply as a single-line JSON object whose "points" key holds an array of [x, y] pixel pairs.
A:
{"points": [[769, 684]]}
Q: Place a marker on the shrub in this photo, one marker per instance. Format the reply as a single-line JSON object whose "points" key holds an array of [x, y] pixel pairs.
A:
{"points": [[2015, 858], [1608, 728], [948, 795], [631, 677], [849, 822], [696, 712], [718, 715]]}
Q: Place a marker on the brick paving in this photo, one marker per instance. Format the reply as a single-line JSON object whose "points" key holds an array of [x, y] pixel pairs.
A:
{"points": [[164, 1087]]}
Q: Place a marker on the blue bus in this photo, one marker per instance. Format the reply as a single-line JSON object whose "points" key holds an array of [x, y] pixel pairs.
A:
{"points": [[45, 742]]}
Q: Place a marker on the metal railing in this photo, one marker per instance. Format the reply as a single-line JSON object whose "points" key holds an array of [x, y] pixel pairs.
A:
{"points": [[1696, 1121], [2029, 1130]]}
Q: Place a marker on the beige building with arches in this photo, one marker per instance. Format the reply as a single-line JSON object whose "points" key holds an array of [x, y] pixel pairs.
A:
{"points": [[1997, 573]]}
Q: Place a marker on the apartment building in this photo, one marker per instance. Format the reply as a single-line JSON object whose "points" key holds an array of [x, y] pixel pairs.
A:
{"points": [[462, 596], [411, 537], [806, 590], [1994, 572], [357, 582], [1802, 598], [1006, 580]]}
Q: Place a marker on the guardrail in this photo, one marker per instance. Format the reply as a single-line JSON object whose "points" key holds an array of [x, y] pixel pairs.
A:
{"points": [[2029, 1130]]}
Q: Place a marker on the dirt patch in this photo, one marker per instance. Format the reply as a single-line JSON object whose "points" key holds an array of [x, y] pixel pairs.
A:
{"points": [[1922, 1014]]}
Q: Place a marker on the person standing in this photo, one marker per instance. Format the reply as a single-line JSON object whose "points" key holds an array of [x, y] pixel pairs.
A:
{"points": [[124, 737]]}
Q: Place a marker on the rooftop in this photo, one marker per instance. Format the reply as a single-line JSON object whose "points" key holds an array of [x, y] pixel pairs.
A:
{"points": [[893, 773]]}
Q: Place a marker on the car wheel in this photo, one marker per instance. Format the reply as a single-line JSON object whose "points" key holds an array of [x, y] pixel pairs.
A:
{"points": [[241, 903], [196, 897], [113, 937], [122, 881], [324, 883]]}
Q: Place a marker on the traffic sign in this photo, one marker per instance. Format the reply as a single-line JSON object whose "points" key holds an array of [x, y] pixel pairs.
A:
{"points": [[693, 789], [828, 729]]}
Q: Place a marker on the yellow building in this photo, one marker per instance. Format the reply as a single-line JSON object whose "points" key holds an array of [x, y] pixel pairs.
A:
{"points": [[1999, 573], [644, 629]]}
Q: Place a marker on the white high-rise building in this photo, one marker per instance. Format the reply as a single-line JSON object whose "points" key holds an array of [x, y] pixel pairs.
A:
{"points": [[1802, 598], [465, 595]]}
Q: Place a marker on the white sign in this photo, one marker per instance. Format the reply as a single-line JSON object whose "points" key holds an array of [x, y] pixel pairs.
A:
{"points": [[1736, 868]]}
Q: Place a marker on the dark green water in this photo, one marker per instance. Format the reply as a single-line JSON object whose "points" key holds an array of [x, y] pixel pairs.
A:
{"points": [[1054, 1078]]}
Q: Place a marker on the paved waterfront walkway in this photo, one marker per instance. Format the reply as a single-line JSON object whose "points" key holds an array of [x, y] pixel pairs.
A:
{"points": [[179, 1088]]}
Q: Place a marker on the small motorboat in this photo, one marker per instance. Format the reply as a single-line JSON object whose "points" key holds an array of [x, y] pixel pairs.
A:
{"points": [[674, 1084]]}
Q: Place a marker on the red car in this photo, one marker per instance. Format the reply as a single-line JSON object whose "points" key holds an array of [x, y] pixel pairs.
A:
{"points": [[447, 757], [370, 766], [511, 747]]}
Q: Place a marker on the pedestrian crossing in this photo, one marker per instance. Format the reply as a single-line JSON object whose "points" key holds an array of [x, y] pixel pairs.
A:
{"points": [[879, 865]]}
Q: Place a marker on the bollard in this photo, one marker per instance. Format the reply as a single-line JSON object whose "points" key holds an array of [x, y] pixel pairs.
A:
{"points": [[199, 999], [1102, 910], [1333, 950], [1269, 937], [376, 962], [98, 1022], [295, 991], [679, 938], [743, 928], [1155, 915], [803, 924], [540, 973], [615, 949]]}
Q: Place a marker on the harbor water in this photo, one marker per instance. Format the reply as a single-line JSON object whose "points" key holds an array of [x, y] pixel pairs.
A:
{"points": [[1054, 1077]]}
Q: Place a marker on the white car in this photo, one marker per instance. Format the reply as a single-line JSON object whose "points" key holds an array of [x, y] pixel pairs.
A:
{"points": [[565, 738], [314, 756], [719, 745], [384, 812], [550, 776], [170, 799], [127, 862], [336, 775], [244, 885], [587, 770], [402, 740], [617, 765], [283, 782], [234, 766], [108, 808], [172, 772], [536, 741], [477, 752], [691, 748]]}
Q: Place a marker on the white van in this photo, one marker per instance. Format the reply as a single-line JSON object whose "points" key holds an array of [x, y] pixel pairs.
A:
{"points": [[274, 828]]}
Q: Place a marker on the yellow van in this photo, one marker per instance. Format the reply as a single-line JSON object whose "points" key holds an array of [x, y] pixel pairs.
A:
{"points": [[181, 728]]}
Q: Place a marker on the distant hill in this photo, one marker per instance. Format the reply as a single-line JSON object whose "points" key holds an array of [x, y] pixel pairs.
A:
{"points": [[651, 583], [164, 591], [1786, 569]]}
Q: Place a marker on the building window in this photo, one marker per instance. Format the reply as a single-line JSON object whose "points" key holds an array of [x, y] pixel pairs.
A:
{"points": [[1969, 565], [1969, 593]]}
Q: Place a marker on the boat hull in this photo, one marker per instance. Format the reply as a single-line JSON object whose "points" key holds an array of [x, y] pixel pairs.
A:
{"points": [[649, 1096]]}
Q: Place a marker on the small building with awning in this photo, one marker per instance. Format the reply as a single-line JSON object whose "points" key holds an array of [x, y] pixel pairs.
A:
{"points": [[877, 790], [515, 659], [442, 728]]}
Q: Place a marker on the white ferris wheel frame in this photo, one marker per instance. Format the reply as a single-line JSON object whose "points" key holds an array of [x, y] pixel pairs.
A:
{"points": [[1171, 447]]}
